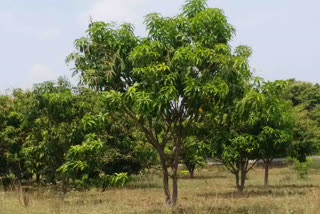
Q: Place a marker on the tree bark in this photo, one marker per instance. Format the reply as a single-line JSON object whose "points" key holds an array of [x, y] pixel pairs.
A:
{"points": [[19, 177], [174, 167], [191, 168], [171, 200], [37, 178], [240, 179], [192, 173], [243, 179], [165, 180], [174, 190], [237, 181], [266, 173], [64, 187]]}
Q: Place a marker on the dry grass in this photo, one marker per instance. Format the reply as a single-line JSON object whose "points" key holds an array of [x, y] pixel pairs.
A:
{"points": [[212, 191]]}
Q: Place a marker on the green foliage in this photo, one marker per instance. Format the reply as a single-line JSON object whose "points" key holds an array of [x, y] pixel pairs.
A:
{"points": [[240, 147], [257, 124], [193, 154], [60, 119], [13, 130], [184, 172], [8, 181], [274, 143], [59, 132], [86, 158], [300, 92], [118, 179], [167, 82], [306, 133], [104, 181], [181, 94], [193, 7], [302, 168], [102, 58]]}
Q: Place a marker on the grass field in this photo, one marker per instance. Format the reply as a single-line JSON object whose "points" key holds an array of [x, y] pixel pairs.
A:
{"points": [[211, 191]]}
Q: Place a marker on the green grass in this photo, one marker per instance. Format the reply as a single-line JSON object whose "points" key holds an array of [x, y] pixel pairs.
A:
{"points": [[211, 191]]}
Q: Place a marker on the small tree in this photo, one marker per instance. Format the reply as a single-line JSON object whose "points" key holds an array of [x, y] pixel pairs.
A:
{"points": [[59, 117], [5, 107], [236, 156], [302, 168], [306, 113], [276, 122], [306, 134], [13, 132], [52, 117], [193, 154], [273, 143], [244, 130]]}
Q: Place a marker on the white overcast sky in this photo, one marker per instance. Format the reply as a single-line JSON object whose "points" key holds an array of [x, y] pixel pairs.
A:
{"points": [[37, 35]]}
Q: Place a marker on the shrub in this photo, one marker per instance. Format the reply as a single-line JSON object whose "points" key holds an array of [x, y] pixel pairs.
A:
{"points": [[302, 168], [8, 181], [115, 180]]}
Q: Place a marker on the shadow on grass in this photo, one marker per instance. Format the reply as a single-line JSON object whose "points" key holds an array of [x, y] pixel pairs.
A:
{"points": [[203, 177], [188, 210], [143, 186], [284, 186], [82, 202], [251, 194], [216, 210]]}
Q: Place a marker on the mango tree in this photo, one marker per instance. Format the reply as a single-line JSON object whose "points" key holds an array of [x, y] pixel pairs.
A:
{"points": [[306, 113], [167, 82], [277, 125], [58, 117], [13, 133], [194, 154], [5, 106], [245, 130]]}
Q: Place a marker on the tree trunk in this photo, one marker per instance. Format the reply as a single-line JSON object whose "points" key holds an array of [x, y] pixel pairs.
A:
{"points": [[237, 181], [37, 178], [73, 181], [19, 177], [64, 187], [174, 167], [174, 190], [170, 200], [165, 180], [243, 180], [266, 174], [191, 168], [192, 173]]}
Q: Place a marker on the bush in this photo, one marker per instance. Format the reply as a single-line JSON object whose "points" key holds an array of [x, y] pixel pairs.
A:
{"points": [[302, 168], [103, 181], [8, 182], [115, 180]]}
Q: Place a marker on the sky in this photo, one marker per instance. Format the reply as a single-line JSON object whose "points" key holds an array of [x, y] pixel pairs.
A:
{"points": [[37, 35]]}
